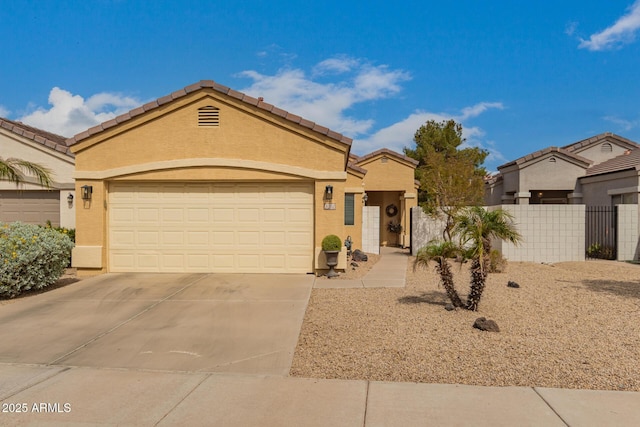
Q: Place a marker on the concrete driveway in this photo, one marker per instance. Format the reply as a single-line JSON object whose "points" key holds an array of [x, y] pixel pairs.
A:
{"points": [[169, 322]]}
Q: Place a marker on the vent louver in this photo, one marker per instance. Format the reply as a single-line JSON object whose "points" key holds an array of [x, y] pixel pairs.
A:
{"points": [[209, 116]]}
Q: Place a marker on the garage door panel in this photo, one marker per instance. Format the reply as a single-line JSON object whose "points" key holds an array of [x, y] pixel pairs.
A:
{"points": [[211, 227]]}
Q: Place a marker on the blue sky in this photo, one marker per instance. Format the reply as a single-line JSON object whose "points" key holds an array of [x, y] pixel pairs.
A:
{"points": [[519, 76]]}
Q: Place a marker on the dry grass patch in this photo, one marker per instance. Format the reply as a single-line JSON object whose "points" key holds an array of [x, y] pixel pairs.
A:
{"points": [[570, 325]]}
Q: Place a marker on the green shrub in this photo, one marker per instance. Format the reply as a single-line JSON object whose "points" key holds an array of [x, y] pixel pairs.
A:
{"points": [[71, 232], [497, 263], [31, 257], [331, 243]]}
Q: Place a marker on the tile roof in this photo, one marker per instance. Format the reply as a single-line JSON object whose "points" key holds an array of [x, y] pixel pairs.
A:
{"points": [[48, 139], [202, 84], [388, 153], [356, 168], [629, 160], [598, 138], [540, 153]]}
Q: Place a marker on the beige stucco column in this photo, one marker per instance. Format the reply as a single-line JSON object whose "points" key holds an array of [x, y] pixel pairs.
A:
{"points": [[575, 198], [522, 198], [408, 201]]}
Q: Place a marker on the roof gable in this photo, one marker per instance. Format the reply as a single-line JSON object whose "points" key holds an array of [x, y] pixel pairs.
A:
{"points": [[579, 146], [50, 140], [385, 152], [211, 85], [561, 153]]}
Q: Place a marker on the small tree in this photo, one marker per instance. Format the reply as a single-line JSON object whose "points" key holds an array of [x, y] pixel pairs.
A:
{"points": [[14, 170], [450, 177], [476, 227], [440, 253]]}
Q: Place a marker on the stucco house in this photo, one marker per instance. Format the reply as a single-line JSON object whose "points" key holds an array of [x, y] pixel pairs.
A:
{"points": [[557, 175], [208, 179], [30, 202]]}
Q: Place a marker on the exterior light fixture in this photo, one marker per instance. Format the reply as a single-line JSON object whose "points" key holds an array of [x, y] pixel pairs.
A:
{"points": [[328, 192], [365, 197], [87, 190], [70, 199]]}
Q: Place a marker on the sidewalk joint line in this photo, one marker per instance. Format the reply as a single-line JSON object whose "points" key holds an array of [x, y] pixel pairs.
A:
{"points": [[183, 399], [366, 405], [550, 407]]}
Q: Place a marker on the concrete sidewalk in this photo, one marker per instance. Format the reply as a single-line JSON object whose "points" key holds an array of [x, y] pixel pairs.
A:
{"points": [[389, 272], [57, 395]]}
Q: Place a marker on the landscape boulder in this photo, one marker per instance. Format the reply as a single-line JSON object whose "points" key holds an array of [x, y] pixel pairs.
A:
{"points": [[486, 325], [512, 284], [358, 256]]}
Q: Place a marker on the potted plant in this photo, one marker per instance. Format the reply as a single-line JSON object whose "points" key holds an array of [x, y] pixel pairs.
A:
{"points": [[396, 228], [331, 246]]}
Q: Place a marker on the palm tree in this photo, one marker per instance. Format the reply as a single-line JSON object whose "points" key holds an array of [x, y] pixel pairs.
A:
{"points": [[14, 170], [440, 252], [477, 226]]}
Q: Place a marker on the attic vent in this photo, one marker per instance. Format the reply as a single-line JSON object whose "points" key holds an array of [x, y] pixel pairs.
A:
{"points": [[552, 160], [606, 148], [209, 116], [385, 159]]}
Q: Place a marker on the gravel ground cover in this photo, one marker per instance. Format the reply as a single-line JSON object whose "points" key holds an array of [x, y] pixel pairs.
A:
{"points": [[569, 325]]}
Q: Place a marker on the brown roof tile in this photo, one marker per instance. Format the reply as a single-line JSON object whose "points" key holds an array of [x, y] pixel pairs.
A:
{"points": [[356, 168], [388, 153], [629, 160], [219, 88], [48, 139]]}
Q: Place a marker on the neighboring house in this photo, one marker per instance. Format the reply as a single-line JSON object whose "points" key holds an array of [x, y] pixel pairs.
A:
{"points": [[613, 182], [30, 202], [554, 175], [208, 179]]}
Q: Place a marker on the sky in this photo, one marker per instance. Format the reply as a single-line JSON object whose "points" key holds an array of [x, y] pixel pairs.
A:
{"points": [[519, 76]]}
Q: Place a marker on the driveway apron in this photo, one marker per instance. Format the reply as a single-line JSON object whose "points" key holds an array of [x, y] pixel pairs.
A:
{"points": [[244, 323]]}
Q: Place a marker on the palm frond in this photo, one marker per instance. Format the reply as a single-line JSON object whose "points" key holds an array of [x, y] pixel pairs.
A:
{"points": [[14, 170]]}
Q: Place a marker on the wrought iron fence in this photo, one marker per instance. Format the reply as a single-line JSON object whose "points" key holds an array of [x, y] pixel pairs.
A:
{"points": [[600, 232]]}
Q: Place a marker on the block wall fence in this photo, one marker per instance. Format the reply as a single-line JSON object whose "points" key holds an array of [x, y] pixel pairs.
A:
{"points": [[551, 233]]}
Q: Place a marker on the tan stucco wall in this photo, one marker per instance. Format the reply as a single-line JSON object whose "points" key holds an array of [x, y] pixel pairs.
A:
{"points": [[243, 134], [388, 183]]}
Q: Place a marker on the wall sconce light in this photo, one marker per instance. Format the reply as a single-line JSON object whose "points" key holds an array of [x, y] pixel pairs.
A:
{"points": [[365, 197], [328, 192], [87, 190], [70, 199]]}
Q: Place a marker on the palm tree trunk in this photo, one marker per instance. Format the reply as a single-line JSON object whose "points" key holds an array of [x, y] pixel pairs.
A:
{"points": [[478, 279], [444, 269]]}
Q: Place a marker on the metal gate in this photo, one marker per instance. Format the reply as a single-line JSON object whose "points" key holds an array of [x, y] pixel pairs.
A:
{"points": [[601, 234]]}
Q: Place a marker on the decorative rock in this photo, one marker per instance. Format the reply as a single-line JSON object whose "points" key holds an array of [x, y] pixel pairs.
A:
{"points": [[358, 255], [512, 284], [449, 307], [354, 264], [486, 325]]}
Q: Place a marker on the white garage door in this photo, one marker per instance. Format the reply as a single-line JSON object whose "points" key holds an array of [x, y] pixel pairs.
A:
{"points": [[211, 227]]}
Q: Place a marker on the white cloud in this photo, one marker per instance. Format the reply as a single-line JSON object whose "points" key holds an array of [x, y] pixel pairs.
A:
{"points": [[571, 28], [4, 112], [71, 114], [623, 123], [622, 32], [400, 134], [327, 103]]}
